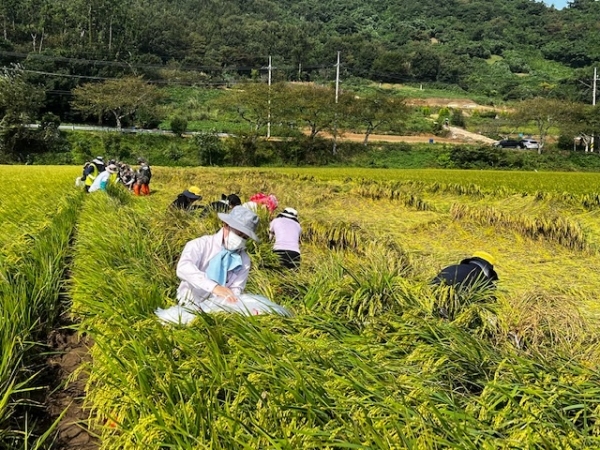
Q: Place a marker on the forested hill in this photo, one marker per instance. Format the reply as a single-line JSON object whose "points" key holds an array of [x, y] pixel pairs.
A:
{"points": [[510, 48]]}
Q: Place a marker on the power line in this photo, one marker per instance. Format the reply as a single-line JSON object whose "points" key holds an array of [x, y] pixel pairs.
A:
{"points": [[180, 83], [128, 65], [393, 76], [90, 77]]}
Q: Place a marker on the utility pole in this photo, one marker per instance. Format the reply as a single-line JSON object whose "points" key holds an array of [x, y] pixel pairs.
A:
{"points": [[337, 91], [269, 103], [593, 104]]}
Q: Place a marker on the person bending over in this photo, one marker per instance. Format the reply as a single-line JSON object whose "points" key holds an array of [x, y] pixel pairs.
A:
{"points": [[286, 231], [477, 270], [185, 200], [217, 265]]}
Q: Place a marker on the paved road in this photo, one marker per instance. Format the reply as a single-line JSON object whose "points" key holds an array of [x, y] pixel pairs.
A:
{"points": [[124, 130], [457, 135]]}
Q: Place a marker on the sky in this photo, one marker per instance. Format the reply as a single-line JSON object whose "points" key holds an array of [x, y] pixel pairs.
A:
{"points": [[558, 4]]}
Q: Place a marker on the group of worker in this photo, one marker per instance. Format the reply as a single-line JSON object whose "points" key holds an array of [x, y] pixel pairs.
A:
{"points": [[97, 175], [214, 269], [284, 229]]}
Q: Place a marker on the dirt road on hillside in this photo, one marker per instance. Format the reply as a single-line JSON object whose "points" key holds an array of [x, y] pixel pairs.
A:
{"points": [[456, 136]]}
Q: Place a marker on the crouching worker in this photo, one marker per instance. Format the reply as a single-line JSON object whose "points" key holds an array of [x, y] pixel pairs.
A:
{"points": [[477, 270], [185, 200], [471, 278], [286, 230], [213, 271], [106, 177]]}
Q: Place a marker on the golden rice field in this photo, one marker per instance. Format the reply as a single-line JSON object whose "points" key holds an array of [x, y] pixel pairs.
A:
{"points": [[366, 362]]}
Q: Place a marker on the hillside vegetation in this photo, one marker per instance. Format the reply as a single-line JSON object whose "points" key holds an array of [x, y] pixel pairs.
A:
{"points": [[203, 66], [506, 48]]}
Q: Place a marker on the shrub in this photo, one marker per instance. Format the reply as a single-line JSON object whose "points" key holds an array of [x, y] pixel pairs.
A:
{"points": [[211, 151], [565, 142], [457, 118], [464, 157], [178, 125]]}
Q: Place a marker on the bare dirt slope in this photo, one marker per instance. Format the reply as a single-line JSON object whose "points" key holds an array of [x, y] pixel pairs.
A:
{"points": [[464, 135], [456, 136]]}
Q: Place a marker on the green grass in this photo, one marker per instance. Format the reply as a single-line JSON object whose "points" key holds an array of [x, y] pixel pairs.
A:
{"points": [[34, 246]]}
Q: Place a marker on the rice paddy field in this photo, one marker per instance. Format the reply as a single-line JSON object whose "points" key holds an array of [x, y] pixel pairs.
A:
{"points": [[366, 361]]}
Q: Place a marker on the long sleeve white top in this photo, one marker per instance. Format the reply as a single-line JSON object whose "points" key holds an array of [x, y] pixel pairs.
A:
{"points": [[195, 286], [97, 184], [286, 233]]}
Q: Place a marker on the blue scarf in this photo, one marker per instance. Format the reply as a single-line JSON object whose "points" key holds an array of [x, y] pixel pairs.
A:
{"points": [[221, 263]]}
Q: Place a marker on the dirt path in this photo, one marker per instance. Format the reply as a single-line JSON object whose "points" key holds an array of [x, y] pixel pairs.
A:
{"points": [[70, 351], [457, 136]]}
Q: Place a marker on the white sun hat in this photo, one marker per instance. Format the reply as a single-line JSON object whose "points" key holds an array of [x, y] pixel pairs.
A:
{"points": [[242, 219]]}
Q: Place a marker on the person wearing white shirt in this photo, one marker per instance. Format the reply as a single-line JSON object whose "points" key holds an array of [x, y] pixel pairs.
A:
{"points": [[217, 265], [286, 230], [213, 271], [100, 182]]}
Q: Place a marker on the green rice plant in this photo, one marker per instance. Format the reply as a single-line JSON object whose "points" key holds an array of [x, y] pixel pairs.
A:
{"points": [[377, 192], [555, 409], [541, 320], [590, 201], [366, 362], [335, 236], [34, 252], [474, 307]]}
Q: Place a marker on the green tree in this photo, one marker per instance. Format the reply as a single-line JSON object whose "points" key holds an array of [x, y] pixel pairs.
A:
{"points": [[211, 151], [256, 104], [122, 98], [18, 98], [457, 118], [19, 101], [178, 125], [583, 122], [373, 111], [544, 113], [312, 106]]}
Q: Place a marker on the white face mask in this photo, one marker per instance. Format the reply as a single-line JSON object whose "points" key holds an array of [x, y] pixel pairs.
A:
{"points": [[234, 242]]}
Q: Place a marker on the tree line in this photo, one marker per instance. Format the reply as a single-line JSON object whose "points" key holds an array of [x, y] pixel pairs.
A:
{"points": [[509, 49], [305, 112]]}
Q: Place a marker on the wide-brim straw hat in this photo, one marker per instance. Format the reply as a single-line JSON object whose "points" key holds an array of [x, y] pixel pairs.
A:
{"points": [[243, 220], [485, 256], [193, 192]]}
